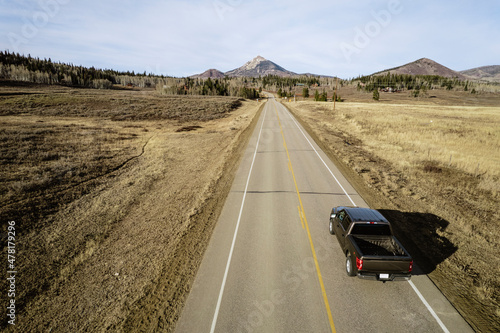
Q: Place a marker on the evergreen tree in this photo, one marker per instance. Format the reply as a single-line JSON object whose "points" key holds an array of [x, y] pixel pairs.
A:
{"points": [[323, 97], [305, 92]]}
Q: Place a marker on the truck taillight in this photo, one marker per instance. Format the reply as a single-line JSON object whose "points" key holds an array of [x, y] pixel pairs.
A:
{"points": [[359, 263], [411, 266]]}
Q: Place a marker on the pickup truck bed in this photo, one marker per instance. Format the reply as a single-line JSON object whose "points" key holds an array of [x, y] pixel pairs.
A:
{"points": [[378, 245]]}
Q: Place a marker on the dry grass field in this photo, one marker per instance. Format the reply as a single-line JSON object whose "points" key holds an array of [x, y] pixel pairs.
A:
{"points": [[434, 171], [114, 195], [486, 95]]}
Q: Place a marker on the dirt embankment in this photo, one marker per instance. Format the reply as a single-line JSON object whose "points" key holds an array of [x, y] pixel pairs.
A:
{"points": [[115, 195], [446, 216]]}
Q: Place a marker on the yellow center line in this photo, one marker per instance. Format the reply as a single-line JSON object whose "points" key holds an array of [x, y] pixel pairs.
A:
{"points": [[301, 218], [304, 219]]}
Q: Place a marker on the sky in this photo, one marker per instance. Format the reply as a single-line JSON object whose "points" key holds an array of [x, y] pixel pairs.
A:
{"points": [[181, 38]]}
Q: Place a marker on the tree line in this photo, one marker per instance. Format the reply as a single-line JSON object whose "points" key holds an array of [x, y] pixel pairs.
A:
{"points": [[14, 66], [26, 68], [399, 82], [275, 81], [238, 87]]}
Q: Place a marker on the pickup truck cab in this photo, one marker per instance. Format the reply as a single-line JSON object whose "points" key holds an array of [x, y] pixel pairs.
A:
{"points": [[372, 252]]}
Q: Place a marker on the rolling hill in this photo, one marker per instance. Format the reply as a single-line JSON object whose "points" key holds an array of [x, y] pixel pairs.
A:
{"points": [[210, 73], [424, 66], [486, 73]]}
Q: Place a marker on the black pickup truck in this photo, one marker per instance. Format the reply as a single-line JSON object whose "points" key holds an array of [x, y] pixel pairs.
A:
{"points": [[371, 250]]}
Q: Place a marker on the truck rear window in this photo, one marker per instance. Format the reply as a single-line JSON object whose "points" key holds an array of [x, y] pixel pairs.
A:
{"points": [[371, 229]]}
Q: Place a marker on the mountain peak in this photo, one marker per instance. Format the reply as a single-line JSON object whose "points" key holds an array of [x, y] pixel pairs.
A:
{"points": [[259, 66], [254, 62]]}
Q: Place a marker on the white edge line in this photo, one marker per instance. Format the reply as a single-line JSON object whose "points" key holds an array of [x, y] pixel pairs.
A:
{"points": [[443, 327], [217, 308], [427, 305]]}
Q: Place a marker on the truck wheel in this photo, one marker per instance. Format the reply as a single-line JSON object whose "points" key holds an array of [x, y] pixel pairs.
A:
{"points": [[349, 265], [331, 228]]}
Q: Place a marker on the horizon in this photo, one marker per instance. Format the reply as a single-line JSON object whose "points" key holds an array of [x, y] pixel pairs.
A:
{"points": [[224, 72], [179, 39]]}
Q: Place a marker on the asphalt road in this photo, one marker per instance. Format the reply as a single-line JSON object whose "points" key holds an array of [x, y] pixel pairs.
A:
{"points": [[272, 266]]}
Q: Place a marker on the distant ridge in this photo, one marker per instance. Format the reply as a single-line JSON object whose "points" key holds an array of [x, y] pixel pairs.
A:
{"points": [[424, 66], [486, 73], [258, 66]]}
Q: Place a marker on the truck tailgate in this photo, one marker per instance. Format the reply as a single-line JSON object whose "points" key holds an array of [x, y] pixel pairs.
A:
{"points": [[386, 264]]}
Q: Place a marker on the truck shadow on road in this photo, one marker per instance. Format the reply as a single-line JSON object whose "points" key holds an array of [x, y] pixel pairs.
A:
{"points": [[420, 235]]}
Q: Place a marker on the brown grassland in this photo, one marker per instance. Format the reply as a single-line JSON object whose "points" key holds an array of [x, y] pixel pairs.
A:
{"points": [[432, 166], [114, 194]]}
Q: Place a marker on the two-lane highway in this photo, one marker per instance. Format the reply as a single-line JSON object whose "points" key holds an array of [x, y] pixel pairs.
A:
{"points": [[272, 266]]}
